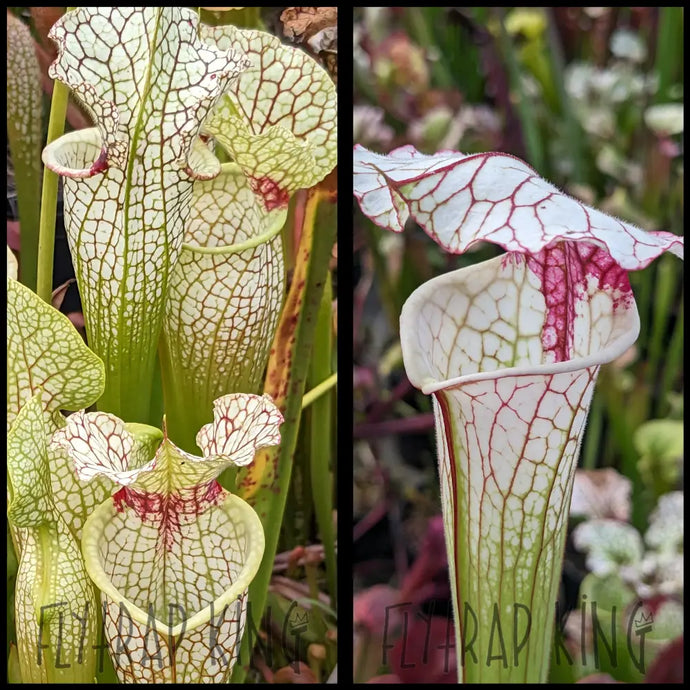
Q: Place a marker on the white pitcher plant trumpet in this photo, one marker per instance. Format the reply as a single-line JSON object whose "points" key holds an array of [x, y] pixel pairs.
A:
{"points": [[172, 544], [160, 87], [128, 180], [509, 349]]}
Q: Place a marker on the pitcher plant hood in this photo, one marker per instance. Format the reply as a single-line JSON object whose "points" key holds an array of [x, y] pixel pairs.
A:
{"points": [[279, 119]]}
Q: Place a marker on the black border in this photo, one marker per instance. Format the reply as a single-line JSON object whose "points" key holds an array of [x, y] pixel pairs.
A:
{"points": [[345, 347]]}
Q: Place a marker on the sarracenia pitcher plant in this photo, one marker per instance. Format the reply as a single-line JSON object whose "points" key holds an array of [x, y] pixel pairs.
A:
{"points": [[180, 268], [128, 180], [172, 552], [159, 86], [509, 349]]}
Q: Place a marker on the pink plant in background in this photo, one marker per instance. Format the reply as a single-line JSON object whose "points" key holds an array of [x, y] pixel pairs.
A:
{"points": [[510, 349], [392, 630]]}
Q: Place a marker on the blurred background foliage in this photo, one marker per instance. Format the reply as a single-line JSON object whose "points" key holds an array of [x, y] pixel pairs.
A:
{"points": [[592, 98]]}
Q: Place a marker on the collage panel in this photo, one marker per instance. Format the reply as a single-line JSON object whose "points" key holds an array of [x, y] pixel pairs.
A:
{"points": [[172, 345], [518, 345]]}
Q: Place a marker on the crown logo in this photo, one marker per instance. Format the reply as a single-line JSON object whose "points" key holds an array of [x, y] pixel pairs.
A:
{"points": [[643, 621], [299, 619]]}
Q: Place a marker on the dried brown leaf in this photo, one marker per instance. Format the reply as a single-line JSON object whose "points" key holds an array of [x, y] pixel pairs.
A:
{"points": [[301, 23], [325, 41], [330, 61], [59, 293]]}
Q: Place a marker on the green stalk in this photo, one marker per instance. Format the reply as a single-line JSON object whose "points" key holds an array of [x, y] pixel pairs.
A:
{"points": [[669, 46], [576, 140], [49, 195], [321, 450], [672, 364], [424, 35], [265, 483], [391, 302], [320, 389], [643, 286], [664, 290], [622, 430], [312, 575], [288, 231], [530, 130]]}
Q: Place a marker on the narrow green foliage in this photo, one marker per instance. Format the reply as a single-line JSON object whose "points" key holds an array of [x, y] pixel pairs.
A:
{"points": [[668, 64], [321, 452], [296, 335], [530, 129], [49, 195]]}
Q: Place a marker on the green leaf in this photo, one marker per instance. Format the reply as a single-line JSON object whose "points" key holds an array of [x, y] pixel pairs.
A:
{"points": [[321, 443], [44, 350]]}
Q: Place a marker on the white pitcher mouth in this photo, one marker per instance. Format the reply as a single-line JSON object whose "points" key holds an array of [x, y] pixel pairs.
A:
{"points": [[624, 332], [73, 154], [253, 555], [264, 226], [262, 238]]}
